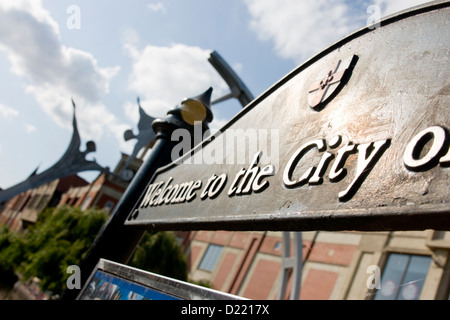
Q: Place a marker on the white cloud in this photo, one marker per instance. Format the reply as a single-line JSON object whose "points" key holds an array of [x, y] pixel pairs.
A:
{"points": [[164, 76], [390, 6], [7, 112], [92, 118], [34, 8], [157, 7], [29, 127], [299, 29], [54, 73], [217, 124], [129, 36]]}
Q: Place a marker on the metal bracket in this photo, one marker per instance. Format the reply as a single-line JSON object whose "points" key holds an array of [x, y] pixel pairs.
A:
{"points": [[238, 89], [291, 265]]}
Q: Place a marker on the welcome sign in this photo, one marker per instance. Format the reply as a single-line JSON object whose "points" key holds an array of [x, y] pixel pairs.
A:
{"points": [[357, 138]]}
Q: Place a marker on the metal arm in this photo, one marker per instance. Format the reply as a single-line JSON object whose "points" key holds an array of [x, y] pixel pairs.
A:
{"points": [[238, 89]]}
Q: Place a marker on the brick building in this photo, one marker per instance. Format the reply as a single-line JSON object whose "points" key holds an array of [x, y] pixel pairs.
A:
{"points": [[336, 265], [105, 191], [24, 209]]}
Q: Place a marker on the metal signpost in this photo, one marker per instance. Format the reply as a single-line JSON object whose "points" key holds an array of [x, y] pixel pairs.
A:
{"points": [[356, 138], [359, 141], [115, 241]]}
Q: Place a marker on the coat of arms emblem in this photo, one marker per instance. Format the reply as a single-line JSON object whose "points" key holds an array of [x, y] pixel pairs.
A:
{"points": [[330, 83]]}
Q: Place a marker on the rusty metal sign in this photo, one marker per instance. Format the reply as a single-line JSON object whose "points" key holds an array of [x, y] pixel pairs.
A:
{"points": [[356, 138]]}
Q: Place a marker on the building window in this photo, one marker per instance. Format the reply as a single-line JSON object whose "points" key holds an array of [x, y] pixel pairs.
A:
{"points": [[33, 202], [403, 277], [211, 257], [86, 203], [22, 203], [108, 206], [43, 203], [277, 246]]}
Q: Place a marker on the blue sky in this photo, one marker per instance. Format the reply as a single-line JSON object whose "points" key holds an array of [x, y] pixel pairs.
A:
{"points": [[106, 53]]}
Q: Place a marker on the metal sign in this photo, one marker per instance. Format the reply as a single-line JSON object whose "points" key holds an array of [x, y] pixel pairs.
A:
{"points": [[356, 138], [114, 281]]}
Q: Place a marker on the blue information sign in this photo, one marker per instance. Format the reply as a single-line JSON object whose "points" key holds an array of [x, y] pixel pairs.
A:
{"points": [[105, 286], [114, 281]]}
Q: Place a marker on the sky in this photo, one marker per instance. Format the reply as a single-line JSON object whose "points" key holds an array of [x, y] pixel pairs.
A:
{"points": [[106, 53]]}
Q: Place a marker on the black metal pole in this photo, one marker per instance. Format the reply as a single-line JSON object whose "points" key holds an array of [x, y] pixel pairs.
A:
{"points": [[115, 241]]}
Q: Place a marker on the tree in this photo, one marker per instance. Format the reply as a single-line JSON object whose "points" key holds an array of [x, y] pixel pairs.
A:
{"points": [[60, 238], [9, 255], [159, 252]]}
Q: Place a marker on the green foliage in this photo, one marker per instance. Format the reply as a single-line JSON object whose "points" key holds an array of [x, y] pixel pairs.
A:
{"points": [[9, 255], [159, 252], [62, 236], [203, 283], [59, 238]]}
